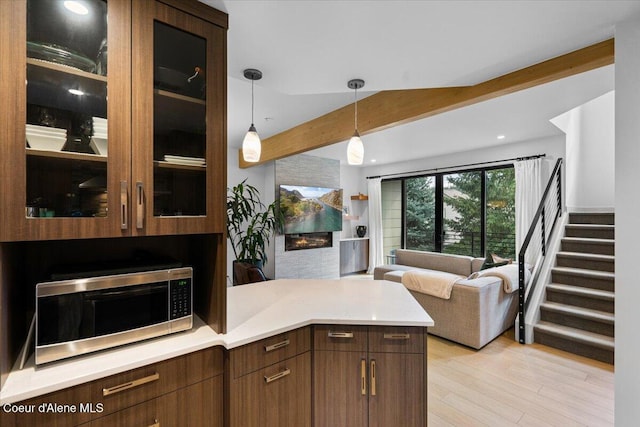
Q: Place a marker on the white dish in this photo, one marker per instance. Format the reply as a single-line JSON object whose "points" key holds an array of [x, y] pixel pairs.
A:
{"points": [[193, 159], [99, 146], [43, 130], [48, 143]]}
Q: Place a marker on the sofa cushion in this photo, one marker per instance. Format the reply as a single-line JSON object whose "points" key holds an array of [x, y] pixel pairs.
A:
{"points": [[456, 264]]}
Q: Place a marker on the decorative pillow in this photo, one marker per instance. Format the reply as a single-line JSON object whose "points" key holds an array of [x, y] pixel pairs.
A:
{"points": [[496, 258], [490, 261]]}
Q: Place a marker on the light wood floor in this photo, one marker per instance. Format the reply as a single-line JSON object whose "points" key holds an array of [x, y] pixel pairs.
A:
{"points": [[509, 384]]}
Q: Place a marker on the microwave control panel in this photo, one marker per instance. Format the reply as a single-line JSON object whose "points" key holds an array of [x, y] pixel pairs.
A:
{"points": [[180, 298]]}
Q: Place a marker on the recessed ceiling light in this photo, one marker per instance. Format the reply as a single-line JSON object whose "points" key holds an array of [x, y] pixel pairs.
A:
{"points": [[76, 7], [76, 92], [373, 160], [501, 136]]}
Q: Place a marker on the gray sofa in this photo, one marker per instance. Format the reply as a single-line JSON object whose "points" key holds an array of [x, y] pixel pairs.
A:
{"points": [[478, 310]]}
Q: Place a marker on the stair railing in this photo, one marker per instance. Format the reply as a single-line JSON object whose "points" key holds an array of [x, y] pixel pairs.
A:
{"points": [[542, 227]]}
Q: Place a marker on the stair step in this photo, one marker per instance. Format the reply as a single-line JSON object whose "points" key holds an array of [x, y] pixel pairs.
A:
{"points": [[585, 313], [588, 344], [588, 245], [604, 280], [592, 218], [596, 321], [596, 231], [595, 299], [587, 261]]}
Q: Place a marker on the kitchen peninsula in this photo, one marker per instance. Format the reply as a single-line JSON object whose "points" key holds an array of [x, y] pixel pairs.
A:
{"points": [[275, 329]]}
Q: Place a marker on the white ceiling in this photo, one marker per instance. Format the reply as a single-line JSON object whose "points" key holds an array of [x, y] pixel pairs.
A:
{"points": [[308, 50]]}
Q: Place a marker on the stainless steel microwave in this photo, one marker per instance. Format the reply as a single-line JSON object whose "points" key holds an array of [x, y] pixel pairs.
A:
{"points": [[79, 316]]}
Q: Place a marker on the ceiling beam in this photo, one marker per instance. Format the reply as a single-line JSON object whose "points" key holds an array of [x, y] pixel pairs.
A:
{"points": [[390, 108]]}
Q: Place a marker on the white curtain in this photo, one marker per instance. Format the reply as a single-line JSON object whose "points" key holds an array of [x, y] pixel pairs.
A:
{"points": [[528, 194], [376, 256]]}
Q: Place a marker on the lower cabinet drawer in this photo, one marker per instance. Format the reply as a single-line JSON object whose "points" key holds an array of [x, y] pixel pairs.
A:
{"points": [[278, 395], [197, 405], [340, 337], [132, 387], [268, 351], [397, 339]]}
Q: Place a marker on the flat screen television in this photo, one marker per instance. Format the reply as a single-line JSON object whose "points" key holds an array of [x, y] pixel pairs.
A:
{"points": [[310, 209]]}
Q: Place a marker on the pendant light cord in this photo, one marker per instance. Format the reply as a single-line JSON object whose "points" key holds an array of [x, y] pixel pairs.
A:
{"points": [[355, 124], [252, 101]]}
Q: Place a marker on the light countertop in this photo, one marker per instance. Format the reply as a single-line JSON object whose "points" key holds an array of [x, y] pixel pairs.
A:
{"points": [[255, 311]]}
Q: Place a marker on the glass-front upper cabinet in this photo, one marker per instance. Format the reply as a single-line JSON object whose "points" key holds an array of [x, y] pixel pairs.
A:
{"points": [[66, 128], [65, 118], [179, 121]]}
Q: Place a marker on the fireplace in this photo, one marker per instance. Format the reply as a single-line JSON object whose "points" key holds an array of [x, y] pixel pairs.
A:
{"points": [[296, 242]]}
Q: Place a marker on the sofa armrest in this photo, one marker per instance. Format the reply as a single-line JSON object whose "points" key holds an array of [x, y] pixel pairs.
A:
{"points": [[479, 282], [381, 270]]}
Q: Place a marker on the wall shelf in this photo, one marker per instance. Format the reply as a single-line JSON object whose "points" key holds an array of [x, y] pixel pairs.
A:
{"points": [[360, 197]]}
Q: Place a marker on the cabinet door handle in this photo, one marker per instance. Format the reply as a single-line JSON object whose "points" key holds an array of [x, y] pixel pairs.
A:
{"points": [[397, 336], [373, 377], [156, 423], [277, 376], [363, 377], [124, 205], [333, 334], [130, 385], [139, 205], [284, 343]]}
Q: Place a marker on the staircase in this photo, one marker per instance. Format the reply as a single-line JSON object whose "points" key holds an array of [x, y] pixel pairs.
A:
{"points": [[578, 315]]}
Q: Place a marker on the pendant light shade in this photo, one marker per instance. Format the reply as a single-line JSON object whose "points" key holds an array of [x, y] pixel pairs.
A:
{"points": [[251, 145], [355, 148]]}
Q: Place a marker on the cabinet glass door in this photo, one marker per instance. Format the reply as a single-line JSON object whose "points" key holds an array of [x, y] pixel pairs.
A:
{"points": [[179, 122], [66, 114]]}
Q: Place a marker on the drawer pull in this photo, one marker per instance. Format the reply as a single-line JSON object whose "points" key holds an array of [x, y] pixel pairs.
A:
{"points": [[139, 205], [373, 377], [333, 334], [130, 385], [277, 376], [397, 336], [363, 377], [156, 423], [124, 205], [276, 346]]}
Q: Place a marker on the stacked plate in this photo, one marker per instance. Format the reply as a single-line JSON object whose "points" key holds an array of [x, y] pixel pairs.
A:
{"points": [[184, 160], [46, 138], [99, 140]]}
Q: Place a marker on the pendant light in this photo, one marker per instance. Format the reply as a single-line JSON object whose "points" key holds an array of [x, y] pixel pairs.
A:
{"points": [[355, 149], [251, 145]]}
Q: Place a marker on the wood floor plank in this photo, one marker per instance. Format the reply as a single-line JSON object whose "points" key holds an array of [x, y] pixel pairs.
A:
{"points": [[507, 383]]}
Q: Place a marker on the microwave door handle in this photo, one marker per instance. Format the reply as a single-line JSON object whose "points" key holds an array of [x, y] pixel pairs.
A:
{"points": [[141, 290]]}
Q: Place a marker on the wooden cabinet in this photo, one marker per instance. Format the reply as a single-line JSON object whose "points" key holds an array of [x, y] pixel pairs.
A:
{"points": [[354, 256], [104, 156], [85, 141], [270, 382], [369, 376], [181, 391]]}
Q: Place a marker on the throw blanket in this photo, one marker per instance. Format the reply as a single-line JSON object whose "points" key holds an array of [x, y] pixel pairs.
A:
{"points": [[432, 282], [508, 273]]}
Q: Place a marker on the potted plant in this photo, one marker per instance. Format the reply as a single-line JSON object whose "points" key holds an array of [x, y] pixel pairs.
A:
{"points": [[250, 223]]}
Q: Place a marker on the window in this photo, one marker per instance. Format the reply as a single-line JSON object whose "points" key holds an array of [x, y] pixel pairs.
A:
{"points": [[465, 212]]}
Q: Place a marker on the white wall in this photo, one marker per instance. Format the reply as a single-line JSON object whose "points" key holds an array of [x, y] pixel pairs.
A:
{"points": [[627, 204], [590, 165], [352, 184]]}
